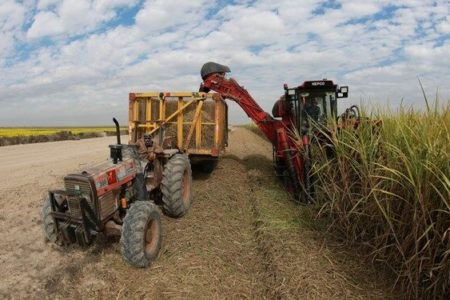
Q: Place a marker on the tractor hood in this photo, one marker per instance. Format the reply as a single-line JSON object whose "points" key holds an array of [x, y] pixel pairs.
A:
{"points": [[107, 175]]}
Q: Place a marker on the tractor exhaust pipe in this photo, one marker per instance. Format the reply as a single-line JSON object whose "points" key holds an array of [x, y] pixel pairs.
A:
{"points": [[116, 150], [117, 130]]}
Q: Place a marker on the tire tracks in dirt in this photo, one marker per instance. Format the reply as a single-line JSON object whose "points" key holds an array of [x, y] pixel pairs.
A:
{"points": [[273, 282], [248, 149]]}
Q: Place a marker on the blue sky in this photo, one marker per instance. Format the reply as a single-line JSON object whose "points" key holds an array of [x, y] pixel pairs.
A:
{"points": [[73, 62]]}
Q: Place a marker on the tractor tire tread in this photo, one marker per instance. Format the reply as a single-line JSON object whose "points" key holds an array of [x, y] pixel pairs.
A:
{"points": [[172, 186], [133, 233], [49, 223]]}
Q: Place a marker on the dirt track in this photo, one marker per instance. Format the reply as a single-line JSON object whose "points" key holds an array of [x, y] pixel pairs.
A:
{"points": [[242, 238]]}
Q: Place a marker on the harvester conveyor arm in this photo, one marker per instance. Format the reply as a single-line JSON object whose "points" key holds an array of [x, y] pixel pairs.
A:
{"points": [[229, 88]]}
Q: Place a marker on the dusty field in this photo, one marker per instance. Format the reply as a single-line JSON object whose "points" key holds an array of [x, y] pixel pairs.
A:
{"points": [[242, 238]]}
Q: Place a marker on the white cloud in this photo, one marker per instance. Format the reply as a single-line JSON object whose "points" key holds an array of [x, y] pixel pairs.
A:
{"points": [[359, 9], [43, 4], [12, 16], [86, 74], [73, 17], [444, 26], [45, 23], [253, 27], [161, 15]]}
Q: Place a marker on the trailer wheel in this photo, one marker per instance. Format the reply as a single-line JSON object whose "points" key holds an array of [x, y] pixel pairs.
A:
{"points": [[141, 234], [49, 226], [209, 166], [176, 186]]}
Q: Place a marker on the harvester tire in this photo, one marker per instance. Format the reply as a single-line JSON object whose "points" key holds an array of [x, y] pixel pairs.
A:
{"points": [[49, 224], [308, 188], [176, 186], [141, 234]]}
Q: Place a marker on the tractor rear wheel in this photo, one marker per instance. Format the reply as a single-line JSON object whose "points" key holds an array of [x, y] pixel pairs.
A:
{"points": [[141, 234], [49, 224], [176, 186]]}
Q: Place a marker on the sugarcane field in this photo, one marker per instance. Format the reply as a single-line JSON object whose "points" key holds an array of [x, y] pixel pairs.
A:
{"points": [[225, 149]]}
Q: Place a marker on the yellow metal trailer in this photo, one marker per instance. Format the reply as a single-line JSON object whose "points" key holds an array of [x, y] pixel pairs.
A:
{"points": [[196, 123]]}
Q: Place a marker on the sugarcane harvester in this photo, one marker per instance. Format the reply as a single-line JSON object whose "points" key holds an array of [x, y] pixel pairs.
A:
{"points": [[290, 126]]}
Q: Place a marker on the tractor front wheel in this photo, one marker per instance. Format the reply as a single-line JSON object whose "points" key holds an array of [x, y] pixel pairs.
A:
{"points": [[176, 186], [49, 224], [141, 234]]}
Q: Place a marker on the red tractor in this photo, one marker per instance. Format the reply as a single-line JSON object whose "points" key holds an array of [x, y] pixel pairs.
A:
{"points": [[118, 197], [296, 114]]}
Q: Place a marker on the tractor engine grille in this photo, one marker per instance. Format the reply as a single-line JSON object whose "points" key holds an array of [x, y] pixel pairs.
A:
{"points": [[77, 189], [107, 205]]}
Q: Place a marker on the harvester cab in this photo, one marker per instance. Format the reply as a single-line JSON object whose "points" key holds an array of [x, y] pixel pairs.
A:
{"points": [[313, 103]]}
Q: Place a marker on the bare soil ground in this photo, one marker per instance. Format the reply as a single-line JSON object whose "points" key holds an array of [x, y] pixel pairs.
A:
{"points": [[243, 237]]}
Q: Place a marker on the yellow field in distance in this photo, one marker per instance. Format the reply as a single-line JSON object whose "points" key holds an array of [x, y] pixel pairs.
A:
{"points": [[35, 131]]}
